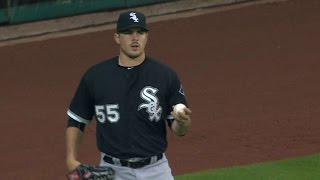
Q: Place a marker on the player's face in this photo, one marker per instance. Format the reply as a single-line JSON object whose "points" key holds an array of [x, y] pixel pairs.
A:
{"points": [[132, 42]]}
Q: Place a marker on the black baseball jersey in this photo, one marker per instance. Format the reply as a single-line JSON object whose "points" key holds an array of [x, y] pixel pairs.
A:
{"points": [[131, 106]]}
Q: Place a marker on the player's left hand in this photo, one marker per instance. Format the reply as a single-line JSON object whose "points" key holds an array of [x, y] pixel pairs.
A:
{"points": [[182, 117], [89, 172]]}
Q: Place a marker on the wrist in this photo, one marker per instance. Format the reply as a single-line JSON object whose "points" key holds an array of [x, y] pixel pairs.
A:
{"points": [[181, 128], [72, 164]]}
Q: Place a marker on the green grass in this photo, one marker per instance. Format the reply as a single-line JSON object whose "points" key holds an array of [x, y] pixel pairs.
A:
{"points": [[302, 168]]}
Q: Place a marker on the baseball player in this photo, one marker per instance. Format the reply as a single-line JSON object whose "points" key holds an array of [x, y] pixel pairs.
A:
{"points": [[131, 97]]}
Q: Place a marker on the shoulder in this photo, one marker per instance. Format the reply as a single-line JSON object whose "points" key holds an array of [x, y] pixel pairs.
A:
{"points": [[163, 72], [159, 66], [109, 63], [103, 66]]}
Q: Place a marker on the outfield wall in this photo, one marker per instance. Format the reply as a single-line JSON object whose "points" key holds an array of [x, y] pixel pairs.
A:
{"points": [[21, 11], [13, 31]]}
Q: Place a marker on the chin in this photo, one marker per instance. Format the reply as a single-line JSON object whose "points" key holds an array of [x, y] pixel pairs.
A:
{"points": [[134, 55]]}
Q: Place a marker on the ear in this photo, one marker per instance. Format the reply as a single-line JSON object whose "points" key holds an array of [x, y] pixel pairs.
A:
{"points": [[117, 38]]}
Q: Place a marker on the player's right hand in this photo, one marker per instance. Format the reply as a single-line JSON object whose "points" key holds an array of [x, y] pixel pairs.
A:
{"points": [[72, 165]]}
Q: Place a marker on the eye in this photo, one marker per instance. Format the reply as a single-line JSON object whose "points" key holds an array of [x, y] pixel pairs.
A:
{"points": [[127, 32], [141, 32]]}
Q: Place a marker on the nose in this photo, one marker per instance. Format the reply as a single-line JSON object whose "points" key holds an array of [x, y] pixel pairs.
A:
{"points": [[135, 35]]}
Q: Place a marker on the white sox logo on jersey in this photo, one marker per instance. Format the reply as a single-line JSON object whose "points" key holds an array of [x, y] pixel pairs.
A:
{"points": [[134, 17], [152, 103]]}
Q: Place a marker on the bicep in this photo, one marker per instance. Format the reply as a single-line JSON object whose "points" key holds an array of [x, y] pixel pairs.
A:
{"points": [[76, 124], [82, 105]]}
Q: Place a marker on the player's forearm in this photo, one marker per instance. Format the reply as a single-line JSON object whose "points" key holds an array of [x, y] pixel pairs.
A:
{"points": [[181, 129], [74, 138]]}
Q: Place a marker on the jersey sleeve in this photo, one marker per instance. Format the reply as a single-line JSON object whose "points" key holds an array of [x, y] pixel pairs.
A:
{"points": [[175, 95], [81, 107]]}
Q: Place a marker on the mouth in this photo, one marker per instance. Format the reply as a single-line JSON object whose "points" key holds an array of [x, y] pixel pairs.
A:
{"points": [[134, 47]]}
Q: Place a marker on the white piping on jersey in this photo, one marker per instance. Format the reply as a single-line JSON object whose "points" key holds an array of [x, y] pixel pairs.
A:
{"points": [[77, 118], [170, 117]]}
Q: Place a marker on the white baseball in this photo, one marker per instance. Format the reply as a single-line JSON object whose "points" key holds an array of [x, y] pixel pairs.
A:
{"points": [[179, 108]]}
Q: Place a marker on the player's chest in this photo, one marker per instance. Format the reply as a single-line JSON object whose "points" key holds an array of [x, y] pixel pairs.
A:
{"points": [[133, 89], [143, 98]]}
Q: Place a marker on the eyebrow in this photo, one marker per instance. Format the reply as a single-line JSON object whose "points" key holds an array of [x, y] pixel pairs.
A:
{"points": [[133, 30]]}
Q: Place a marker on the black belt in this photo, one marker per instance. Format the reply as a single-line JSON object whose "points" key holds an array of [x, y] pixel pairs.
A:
{"points": [[132, 163]]}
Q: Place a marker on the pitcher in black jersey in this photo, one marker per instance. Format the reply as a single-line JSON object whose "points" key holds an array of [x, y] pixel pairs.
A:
{"points": [[131, 96]]}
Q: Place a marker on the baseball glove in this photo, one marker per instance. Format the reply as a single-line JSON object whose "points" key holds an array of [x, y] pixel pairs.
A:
{"points": [[89, 172]]}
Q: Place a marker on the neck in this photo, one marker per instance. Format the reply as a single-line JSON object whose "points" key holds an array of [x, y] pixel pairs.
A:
{"points": [[130, 62]]}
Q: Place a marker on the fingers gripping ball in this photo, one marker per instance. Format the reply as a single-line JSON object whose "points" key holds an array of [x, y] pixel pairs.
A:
{"points": [[88, 172], [179, 108]]}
